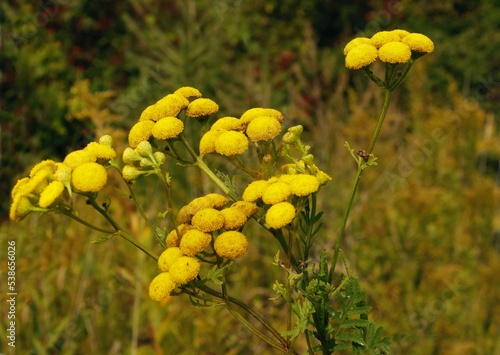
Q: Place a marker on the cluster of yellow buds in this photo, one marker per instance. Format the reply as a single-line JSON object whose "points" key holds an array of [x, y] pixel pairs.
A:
{"points": [[141, 161], [394, 47], [82, 171], [204, 221]]}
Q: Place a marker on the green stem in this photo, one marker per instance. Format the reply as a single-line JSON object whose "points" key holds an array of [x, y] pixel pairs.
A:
{"points": [[356, 183], [85, 223]]}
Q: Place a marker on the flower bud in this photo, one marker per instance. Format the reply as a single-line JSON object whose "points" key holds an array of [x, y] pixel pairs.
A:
{"points": [[297, 130], [159, 157], [145, 162], [130, 156], [308, 159], [130, 173], [144, 149], [289, 138], [106, 140]]}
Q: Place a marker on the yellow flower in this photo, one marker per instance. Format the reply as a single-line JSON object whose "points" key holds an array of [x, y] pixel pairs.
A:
{"points": [[231, 245], [354, 43], [48, 165], [169, 106], [188, 92], [207, 141], [419, 43], [280, 214], [323, 177], [184, 270], [228, 124], [394, 52], [231, 143], [101, 151], [201, 108], [208, 220], [89, 177], [361, 56], [161, 287], [401, 33], [79, 157], [276, 192], [254, 190], [303, 184], [19, 186], [217, 200], [167, 128], [36, 184], [147, 114], [252, 113], [263, 128], [383, 37], [234, 218], [168, 257], [248, 208], [194, 241], [20, 208], [287, 178], [173, 239], [50, 194], [140, 132]]}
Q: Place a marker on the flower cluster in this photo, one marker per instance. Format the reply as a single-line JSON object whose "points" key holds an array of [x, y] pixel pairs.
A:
{"points": [[394, 47], [203, 222], [81, 171], [230, 136]]}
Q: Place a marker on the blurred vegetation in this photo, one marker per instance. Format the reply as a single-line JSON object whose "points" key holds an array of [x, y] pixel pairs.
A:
{"points": [[424, 237]]}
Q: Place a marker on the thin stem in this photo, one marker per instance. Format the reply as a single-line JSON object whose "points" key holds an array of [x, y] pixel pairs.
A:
{"points": [[356, 182], [85, 223]]}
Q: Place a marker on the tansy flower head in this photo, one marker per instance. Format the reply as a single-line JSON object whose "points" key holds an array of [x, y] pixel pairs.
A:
{"points": [[231, 245], [19, 186], [401, 33], [419, 43], [167, 128], [20, 208], [277, 192], [147, 114], [37, 183], [383, 37], [89, 177], [394, 52], [184, 270], [168, 257], [263, 128], [304, 185], [48, 165], [101, 151], [161, 287], [280, 214], [208, 220], [248, 208], [188, 92], [354, 43], [254, 190], [139, 132], [217, 200], [194, 241], [361, 56], [323, 177], [234, 218], [228, 124], [207, 141], [51, 193], [201, 108], [79, 157], [231, 143], [252, 113], [287, 178], [169, 106], [173, 239]]}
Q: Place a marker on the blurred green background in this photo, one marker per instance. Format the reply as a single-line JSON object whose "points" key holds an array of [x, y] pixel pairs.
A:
{"points": [[424, 236]]}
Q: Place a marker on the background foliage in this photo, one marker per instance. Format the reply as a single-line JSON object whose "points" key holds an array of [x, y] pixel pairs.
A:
{"points": [[424, 236]]}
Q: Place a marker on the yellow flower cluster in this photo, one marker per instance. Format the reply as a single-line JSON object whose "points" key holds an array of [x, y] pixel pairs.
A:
{"points": [[81, 170], [394, 47], [230, 136], [198, 221]]}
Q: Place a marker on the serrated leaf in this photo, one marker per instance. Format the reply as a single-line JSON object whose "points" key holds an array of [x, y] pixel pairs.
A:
{"points": [[102, 239], [353, 323], [351, 337], [359, 310]]}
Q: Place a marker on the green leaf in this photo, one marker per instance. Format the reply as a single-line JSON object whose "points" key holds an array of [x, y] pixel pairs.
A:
{"points": [[353, 323], [302, 315]]}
